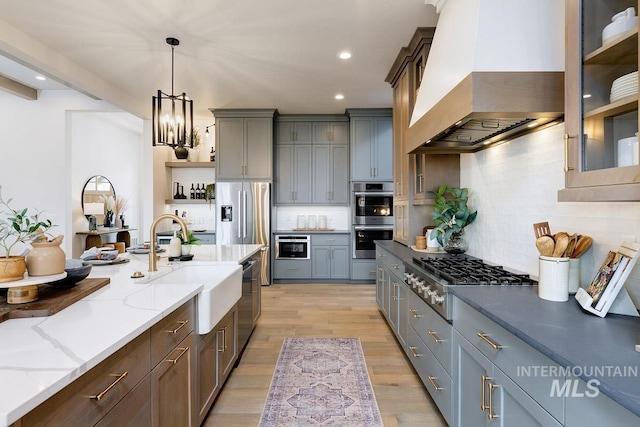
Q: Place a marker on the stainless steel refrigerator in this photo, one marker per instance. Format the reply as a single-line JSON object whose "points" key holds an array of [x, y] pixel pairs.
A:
{"points": [[244, 216]]}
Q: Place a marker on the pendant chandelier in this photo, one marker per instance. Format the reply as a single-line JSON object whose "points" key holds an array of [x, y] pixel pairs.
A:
{"points": [[172, 118]]}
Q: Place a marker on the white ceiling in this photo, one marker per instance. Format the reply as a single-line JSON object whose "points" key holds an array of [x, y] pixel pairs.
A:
{"points": [[232, 54]]}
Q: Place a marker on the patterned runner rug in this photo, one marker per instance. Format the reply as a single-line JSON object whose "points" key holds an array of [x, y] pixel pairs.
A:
{"points": [[321, 382]]}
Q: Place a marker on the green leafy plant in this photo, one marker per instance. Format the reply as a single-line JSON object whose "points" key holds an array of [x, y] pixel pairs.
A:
{"points": [[210, 193], [18, 226], [451, 213], [190, 240]]}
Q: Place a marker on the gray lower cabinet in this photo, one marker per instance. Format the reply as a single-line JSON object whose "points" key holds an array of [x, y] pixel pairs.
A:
{"points": [[331, 174], [293, 174], [488, 397], [363, 269], [330, 256], [488, 365], [295, 269], [586, 407]]}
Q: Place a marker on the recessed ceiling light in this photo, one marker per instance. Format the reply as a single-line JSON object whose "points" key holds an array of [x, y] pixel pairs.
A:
{"points": [[344, 54], [339, 96], [41, 78]]}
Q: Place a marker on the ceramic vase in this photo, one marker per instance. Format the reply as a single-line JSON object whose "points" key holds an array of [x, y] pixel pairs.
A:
{"points": [[181, 152], [456, 244], [185, 250], [12, 268], [45, 259]]}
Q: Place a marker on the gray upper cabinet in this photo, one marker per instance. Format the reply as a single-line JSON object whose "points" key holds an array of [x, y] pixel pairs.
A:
{"points": [[293, 174], [330, 174], [294, 132], [331, 133], [312, 160], [371, 144], [244, 144]]}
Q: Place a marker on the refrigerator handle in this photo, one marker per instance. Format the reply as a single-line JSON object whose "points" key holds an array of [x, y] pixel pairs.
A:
{"points": [[244, 215], [239, 219]]}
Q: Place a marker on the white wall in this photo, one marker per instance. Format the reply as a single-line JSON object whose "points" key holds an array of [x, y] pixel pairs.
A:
{"points": [[45, 160], [515, 185]]}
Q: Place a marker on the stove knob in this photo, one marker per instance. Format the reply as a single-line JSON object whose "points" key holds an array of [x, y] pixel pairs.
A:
{"points": [[426, 290], [437, 299]]}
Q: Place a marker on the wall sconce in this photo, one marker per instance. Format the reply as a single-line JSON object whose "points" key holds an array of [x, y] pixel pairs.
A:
{"points": [[172, 115], [90, 210], [206, 130]]}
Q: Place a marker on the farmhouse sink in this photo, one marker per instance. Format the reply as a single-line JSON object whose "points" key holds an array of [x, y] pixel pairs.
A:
{"points": [[222, 289]]}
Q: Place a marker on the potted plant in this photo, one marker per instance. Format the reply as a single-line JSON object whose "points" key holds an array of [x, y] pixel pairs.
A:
{"points": [[17, 226], [187, 242], [451, 215]]}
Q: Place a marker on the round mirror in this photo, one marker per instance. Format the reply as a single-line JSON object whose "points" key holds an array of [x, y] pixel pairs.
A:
{"points": [[98, 190]]}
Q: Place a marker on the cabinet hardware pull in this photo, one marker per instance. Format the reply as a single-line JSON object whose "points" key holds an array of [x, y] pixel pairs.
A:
{"points": [[174, 361], [434, 384], [223, 347], [490, 414], [395, 287], [99, 396], [182, 323], [413, 351], [435, 337], [483, 407], [566, 153], [488, 341], [292, 268], [415, 313]]}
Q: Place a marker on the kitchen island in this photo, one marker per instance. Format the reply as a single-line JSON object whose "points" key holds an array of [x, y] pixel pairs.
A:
{"points": [[42, 355]]}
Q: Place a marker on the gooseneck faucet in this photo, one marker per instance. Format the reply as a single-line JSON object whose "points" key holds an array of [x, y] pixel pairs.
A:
{"points": [[153, 266]]}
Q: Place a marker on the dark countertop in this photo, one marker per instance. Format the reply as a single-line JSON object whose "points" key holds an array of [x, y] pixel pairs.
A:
{"points": [[567, 335], [561, 331]]}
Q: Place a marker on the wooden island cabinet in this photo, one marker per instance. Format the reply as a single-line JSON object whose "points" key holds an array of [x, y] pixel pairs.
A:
{"points": [[167, 376]]}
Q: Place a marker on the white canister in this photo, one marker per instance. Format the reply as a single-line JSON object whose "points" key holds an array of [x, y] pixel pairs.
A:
{"points": [[312, 222], [322, 222], [553, 280], [432, 242], [301, 222], [628, 152], [574, 275]]}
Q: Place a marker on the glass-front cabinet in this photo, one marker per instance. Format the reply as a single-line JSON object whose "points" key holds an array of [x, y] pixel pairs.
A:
{"points": [[601, 97]]}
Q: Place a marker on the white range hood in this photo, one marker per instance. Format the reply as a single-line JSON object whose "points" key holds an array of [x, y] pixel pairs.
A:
{"points": [[495, 70]]}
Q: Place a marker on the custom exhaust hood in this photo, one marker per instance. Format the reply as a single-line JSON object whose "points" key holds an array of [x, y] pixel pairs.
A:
{"points": [[495, 71]]}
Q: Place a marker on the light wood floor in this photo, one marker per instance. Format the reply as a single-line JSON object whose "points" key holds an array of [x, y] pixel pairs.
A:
{"points": [[324, 310]]}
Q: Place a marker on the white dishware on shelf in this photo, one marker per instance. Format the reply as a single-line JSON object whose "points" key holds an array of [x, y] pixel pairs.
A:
{"points": [[626, 85], [628, 153], [620, 23]]}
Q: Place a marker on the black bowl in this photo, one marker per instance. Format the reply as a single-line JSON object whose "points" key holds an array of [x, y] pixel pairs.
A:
{"points": [[74, 274]]}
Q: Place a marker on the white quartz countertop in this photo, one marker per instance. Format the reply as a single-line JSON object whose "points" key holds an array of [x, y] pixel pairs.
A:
{"points": [[39, 356]]}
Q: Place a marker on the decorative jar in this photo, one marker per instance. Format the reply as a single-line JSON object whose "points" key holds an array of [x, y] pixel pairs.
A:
{"points": [[456, 244], [46, 258]]}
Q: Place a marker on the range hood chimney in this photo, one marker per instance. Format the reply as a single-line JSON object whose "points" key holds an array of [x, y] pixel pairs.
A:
{"points": [[495, 70]]}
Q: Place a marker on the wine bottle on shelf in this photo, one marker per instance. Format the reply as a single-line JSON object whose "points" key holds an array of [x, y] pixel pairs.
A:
{"points": [[198, 192], [203, 192], [192, 194]]}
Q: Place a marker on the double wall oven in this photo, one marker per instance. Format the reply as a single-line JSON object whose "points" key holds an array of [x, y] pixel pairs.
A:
{"points": [[372, 216]]}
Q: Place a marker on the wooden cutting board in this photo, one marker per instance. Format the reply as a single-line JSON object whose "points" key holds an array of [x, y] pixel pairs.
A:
{"points": [[50, 299]]}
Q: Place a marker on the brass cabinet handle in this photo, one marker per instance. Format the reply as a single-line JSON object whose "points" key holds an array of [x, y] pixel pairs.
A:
{"points": [[413, 352], [483, 379], [488, 341], [223, 347], [566, 153], [434, 336], [490, 414], [174, 361], [182, 323], [415, 313], [99, 396], [434, 384], [395, 287]]}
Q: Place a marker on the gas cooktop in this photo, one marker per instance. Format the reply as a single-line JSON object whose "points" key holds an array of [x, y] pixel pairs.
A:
{"points": [[458, 270]]}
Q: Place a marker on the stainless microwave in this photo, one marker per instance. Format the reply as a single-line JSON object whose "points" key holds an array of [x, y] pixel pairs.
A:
{"points": [[293, 247]]}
